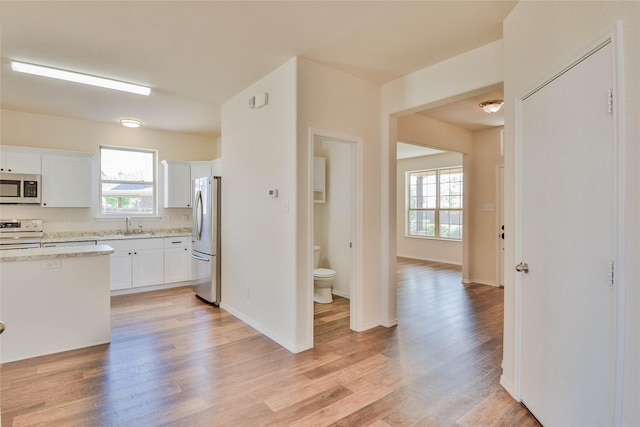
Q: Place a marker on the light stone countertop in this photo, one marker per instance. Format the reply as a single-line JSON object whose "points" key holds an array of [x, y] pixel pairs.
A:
{"points": [[61, 237], [48, 253]]}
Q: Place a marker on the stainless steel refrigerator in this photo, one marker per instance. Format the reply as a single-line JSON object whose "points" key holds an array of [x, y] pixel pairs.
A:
{"points": [[205, 239]]}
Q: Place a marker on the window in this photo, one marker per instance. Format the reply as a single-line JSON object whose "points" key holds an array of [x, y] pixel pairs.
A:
{"points": [[127, 181], [434, 207]]}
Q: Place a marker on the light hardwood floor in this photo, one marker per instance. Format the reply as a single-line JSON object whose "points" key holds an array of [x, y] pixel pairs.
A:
{"points": [[175, 361]]}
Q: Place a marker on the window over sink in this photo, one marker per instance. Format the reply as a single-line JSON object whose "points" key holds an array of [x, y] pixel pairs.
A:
{"points": [[127, 182]]}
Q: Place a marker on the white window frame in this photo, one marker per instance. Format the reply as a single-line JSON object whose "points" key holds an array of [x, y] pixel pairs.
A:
{"points": [[153, 183], [437, 210]]}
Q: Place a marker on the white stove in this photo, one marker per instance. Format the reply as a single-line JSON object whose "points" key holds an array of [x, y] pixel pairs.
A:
{"points": [[20, 233]]}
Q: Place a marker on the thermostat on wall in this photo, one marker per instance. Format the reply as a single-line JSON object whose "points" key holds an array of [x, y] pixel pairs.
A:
{"points": [[273, 193]]}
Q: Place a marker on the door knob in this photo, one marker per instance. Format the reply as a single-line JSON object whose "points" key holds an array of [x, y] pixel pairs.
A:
{"points": [[2, 327], [522, 267]]}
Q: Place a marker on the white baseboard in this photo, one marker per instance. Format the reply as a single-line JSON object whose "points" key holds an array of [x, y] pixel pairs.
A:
{"points": [[149, 288], [340, 294], [480, 282], [264, 331], [508, 386], [443, 261], [483, 282], [390, 324]]}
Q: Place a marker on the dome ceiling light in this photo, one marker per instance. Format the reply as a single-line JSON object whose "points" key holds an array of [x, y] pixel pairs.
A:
{"points": [[492, 106], [131, 123]]}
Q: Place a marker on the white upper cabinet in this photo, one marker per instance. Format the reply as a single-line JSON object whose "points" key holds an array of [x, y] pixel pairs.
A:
{"points": [[178, 176], [177, 184], [16, 160], [319, 179], [201, 169], [66, 179], [216, 167]]}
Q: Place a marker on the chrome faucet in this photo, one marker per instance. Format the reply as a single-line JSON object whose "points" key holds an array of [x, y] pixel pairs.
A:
{"points": [[127, 222]]}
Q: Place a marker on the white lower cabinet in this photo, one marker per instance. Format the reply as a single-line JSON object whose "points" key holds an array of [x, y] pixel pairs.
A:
{"points": [[136, 263], [121, 266], [177, 259]]}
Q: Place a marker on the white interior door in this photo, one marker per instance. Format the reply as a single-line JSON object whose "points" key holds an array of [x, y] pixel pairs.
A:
{"points": [[2, 326], [568, 239]]}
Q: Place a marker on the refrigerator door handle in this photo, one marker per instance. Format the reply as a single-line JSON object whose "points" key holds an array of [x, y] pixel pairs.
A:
{"points": [[199, 214], [200, 258]]}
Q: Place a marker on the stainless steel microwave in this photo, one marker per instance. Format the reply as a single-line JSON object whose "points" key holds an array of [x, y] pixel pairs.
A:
{"points": [[19, 189]]}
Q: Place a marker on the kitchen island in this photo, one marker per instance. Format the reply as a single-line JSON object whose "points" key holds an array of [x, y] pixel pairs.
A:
{"points": [[53, 300]]}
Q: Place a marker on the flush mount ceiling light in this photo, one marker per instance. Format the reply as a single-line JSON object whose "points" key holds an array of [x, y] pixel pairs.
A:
{"points": [[492, 106], [86, 79], [131, 123]]}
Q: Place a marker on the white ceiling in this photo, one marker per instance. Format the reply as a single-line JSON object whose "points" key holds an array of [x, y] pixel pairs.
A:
{"points": [[197, 55], [406, 150], [468, 114]]}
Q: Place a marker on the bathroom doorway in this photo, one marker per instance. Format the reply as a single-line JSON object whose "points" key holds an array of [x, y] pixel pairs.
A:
{"points": [[335, 214]]}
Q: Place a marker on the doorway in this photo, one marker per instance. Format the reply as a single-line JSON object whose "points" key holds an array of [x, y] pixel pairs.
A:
{"points": [[336, 213]]}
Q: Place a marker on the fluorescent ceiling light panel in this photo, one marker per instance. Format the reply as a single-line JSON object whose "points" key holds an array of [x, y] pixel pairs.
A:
{"points": [[86, 79]]}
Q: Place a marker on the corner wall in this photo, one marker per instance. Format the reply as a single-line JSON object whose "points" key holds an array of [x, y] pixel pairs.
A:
{"points": [[259, 233]]}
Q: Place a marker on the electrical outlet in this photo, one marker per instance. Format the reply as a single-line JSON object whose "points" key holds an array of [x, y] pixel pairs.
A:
{"points": [[246, 291], [53, 263]]}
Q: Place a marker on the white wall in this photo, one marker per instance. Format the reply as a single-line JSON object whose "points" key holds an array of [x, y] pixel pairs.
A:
{"points": [[447, 251], [259, 233], [51, 132], [483, 207], [539, 38]]}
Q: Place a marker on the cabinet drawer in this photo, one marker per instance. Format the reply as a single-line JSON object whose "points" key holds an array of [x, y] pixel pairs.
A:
{"points": [[177, 242], [134, 244]]}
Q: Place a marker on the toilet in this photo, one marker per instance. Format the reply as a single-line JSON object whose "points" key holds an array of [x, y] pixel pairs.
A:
{"points": [[322, 280]]}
